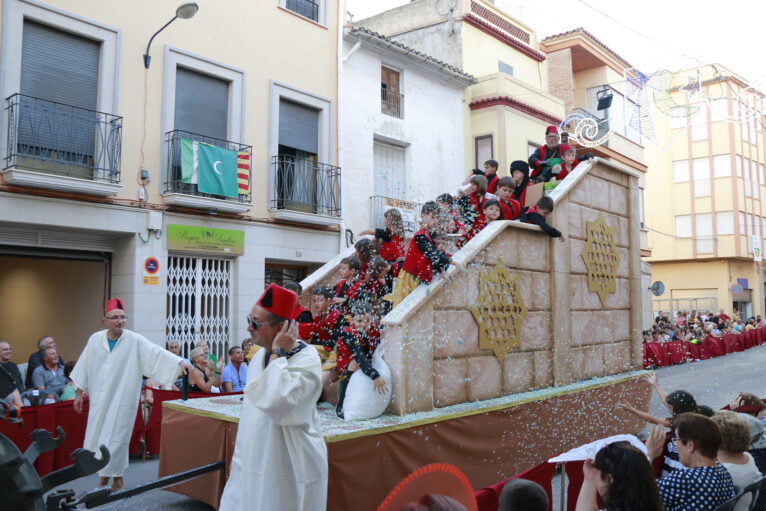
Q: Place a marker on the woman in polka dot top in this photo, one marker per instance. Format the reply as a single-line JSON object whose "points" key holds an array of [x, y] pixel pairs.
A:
{"points": [[705, 484]]}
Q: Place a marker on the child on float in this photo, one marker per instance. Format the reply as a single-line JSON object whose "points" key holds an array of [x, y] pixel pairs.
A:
{"points": [[492, 211], [323, 332], [520, 176], [365, 249], [423, 259], [471, 205], [391, 239], [451, 220], [510, 207], [347, 271], [536, 215], [373, 287], [568, 163], [355, 348]]}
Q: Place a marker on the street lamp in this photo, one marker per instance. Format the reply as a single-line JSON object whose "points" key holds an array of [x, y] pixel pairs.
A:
{"points": [[184, 12]]}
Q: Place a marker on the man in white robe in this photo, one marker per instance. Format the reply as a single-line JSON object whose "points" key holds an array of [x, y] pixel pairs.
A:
{"points": [[280, 456], [109, 370]]}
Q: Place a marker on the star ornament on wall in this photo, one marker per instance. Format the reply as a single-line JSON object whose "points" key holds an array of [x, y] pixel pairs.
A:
{"points": [[601, 258], [499, 310]]}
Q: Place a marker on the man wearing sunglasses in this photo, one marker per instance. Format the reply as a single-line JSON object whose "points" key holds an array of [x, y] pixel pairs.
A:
{"points": [[280, 457]]}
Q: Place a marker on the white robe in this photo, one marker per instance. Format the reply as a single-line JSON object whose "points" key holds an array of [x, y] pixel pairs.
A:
{"points": [[113, 383], [280, 456]]}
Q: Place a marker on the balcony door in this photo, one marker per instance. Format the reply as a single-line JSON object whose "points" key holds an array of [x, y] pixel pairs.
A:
{"points": [[296, 165], [201, 114], [57, 121]]}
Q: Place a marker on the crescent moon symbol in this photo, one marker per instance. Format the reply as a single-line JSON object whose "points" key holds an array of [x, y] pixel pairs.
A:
{"points": [[215, 167]]}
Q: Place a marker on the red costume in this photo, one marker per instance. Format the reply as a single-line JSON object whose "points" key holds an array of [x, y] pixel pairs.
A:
{"points": [[492, 183], [423, 257], [511, 209], [324, 330], [353, 342]]}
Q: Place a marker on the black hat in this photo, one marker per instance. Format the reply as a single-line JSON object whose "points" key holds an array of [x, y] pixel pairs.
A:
{"points": [[520, 165]]}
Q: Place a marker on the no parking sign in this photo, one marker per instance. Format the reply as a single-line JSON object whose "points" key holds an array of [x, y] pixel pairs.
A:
{"points": [[151, 270]]}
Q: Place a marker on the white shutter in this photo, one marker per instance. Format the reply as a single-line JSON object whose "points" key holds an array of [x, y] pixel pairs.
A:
{"points": [[483, 149]]}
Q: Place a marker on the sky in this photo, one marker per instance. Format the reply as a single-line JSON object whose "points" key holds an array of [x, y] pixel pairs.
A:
{"points": [[651, 35]]}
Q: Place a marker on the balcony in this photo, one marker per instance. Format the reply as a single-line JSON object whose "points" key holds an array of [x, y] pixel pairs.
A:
{"points": [[305, 8], [305, 191], [178, 193], [61, 147], [391, 103]]}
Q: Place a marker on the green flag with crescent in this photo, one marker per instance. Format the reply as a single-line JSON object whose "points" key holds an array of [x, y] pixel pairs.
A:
{"points": [[212, 168]]}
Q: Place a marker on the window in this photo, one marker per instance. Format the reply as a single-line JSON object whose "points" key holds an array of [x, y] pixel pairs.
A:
{"points": [[724, 222], [391, 98], [504, 68], [722, 165], [306, 8], [680, 171], [739, 165], [61, 69], [198, 304], [303, 183], [201, 104], [701, 168], [203, 101], [389, 169], [699, 126], [748, 180], [622, 117], [704, 233], [684, 226], [678, 117], [281, 273], [483, 150], [297, 156], [719, 109], [60, 78]]}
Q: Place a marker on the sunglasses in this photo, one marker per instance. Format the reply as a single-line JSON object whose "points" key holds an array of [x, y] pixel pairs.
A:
{"points": [[251, 321]]}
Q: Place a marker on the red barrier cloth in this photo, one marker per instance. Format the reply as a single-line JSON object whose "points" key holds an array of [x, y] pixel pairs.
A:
{"points": [[715, 346], [576, 477], [675, 351], [651, 354], [487, 497], [749, 339]]}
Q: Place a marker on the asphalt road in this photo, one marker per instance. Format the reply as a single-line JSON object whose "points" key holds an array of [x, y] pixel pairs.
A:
{"points": [[713, 382]]}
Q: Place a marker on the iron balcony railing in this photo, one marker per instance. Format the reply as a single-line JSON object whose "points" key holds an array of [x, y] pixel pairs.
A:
{"points": [[303, 184], [61, 139], [305, 8], [174, 184], [391, 103]]}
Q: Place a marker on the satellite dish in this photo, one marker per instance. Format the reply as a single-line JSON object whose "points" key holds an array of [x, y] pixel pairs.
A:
{"points": [[657, 288]]}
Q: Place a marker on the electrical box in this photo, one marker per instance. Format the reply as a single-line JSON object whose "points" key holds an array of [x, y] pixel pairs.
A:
{"points": [[154, 221], [145, 174]]}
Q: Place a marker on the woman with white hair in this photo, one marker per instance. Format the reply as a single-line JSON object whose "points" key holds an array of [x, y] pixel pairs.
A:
{"points": [[735, 440], [199, 377]]}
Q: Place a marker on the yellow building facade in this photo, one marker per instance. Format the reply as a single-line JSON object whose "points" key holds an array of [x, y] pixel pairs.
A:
{"points": [[94, 186], [704, 192]]}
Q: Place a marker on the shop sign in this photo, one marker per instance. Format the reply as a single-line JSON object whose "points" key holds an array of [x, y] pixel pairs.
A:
{"points": [[208, 240]]}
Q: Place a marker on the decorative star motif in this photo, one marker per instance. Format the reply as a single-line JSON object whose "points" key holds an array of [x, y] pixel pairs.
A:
{"points": [[499, 310], [601, 258], [692, 88]]}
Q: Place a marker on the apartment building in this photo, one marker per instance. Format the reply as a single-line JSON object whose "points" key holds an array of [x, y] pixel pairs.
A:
{"points": [[704, 192], [176, 156]]}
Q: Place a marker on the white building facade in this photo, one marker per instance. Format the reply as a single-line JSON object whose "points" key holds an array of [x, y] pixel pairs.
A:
{"points": [[401, 131]]}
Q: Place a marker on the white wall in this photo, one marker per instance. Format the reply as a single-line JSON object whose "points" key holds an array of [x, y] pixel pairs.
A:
{"points": [[431, 130]]}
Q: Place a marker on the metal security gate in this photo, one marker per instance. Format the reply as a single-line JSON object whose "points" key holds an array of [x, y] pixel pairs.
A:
{"points": [[199, 303]]}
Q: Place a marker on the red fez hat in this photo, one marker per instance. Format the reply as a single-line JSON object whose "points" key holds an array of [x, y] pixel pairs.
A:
{"points": [[114, 303], [278, 301], [552, 129], [564, 148]]}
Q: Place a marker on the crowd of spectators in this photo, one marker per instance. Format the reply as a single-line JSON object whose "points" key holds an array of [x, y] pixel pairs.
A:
{"points": [[696, 459]]}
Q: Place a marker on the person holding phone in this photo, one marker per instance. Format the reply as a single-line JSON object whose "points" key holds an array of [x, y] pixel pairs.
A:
{"points": [[280, 456]]}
